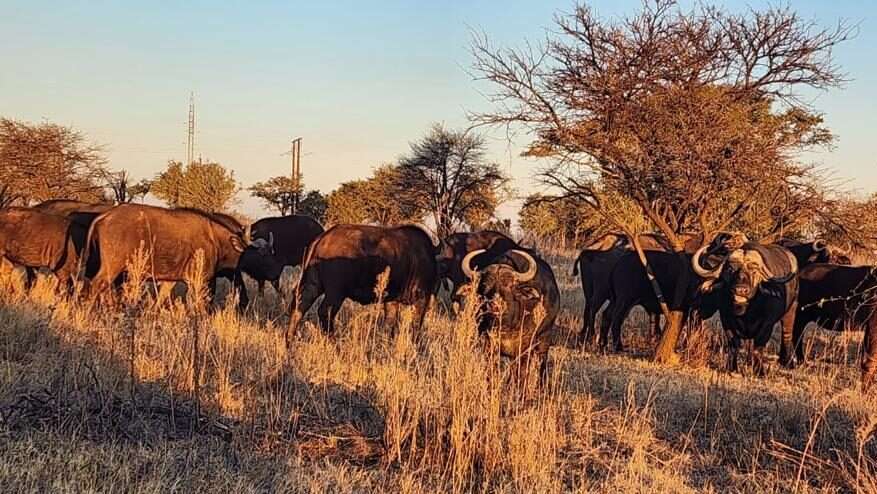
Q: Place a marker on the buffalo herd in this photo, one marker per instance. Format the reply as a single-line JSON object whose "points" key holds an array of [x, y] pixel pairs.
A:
{"points": [[752, 286]]}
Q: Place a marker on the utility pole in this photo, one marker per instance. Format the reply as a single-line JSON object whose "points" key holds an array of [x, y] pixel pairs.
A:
{"points": [[295, 154], [190, 140]]}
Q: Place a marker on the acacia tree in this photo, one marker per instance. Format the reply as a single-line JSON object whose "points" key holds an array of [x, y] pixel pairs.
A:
{"points": [[46, 161], [277, 193], [447, 176], [202, 185], [678, 110]]}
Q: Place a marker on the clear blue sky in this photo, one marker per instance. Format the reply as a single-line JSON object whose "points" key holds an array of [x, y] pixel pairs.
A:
{"points": [[357, 80]]}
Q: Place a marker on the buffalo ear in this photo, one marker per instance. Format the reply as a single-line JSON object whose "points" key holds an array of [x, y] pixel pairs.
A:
{"points": [[237, 244]]}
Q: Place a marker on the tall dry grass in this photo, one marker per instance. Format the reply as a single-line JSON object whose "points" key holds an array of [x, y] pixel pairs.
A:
{"points": [[163, 393]]}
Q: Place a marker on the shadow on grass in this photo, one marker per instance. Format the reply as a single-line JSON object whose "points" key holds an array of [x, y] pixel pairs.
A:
{"points": [[56, 381]]}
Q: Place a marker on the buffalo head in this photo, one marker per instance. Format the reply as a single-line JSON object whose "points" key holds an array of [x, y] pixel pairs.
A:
{"points": [[508, 294], [743, 271]]}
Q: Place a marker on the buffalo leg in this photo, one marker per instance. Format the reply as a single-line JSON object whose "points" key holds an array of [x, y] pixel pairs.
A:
{"points": [[241, 287], [276, 285], [261, 285], [587, 328], [305, 296], [733, 351], [420, 310], [656, 325], [30, 277], [327, 311], [869, 353], [618, 315], [789, 343], [798, 339]]}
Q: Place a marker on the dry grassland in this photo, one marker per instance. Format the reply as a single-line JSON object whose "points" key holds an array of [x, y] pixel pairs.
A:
{"points": [[167, 394]]}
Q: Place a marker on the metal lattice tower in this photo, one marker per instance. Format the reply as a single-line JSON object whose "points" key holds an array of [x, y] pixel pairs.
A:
{"points": [[190, 141]]}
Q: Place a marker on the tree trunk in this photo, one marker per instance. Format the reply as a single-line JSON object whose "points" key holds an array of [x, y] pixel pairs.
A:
{"points": [[665, 353]]}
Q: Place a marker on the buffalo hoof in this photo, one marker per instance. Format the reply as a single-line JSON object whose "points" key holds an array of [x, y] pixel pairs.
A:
{"points": [[788, 362]]}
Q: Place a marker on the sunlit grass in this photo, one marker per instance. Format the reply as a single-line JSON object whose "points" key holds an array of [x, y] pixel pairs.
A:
{"points": [[170, 393]]}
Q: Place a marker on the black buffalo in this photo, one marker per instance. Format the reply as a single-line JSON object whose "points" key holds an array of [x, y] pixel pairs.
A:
{"points": [[595, 268], [755, 286], [288, 237], [455, 246], [171, 237], [520, 303], [345, 262], [36, 240], [596, 264], [628, 286], [832, 296]]}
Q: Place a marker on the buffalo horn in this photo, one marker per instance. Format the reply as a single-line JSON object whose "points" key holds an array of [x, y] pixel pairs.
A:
{"points": [[466, 263], [793, 270], [530, 273], [271, 239], [247, 232], [819, 245], [704, 273]]}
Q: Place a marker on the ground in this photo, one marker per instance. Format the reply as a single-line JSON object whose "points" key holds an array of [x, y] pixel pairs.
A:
{"points": [[106, 399]]}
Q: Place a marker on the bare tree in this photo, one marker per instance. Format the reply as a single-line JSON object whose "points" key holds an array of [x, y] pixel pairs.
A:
{"points": [[121, 187], [692, 114], [447, 175]]}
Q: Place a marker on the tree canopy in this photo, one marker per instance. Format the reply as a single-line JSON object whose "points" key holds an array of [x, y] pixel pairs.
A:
{"points": [[46, 161], [446, 175], [204, 185]]}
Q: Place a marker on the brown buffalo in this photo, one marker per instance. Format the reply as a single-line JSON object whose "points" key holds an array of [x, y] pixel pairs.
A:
{"points": [[171, 237], [33, 239], [345, 262], [521, 301]]}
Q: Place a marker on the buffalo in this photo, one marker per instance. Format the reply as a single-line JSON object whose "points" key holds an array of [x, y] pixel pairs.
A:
{"points": [[755, 286], [455, 246], [595, 268], [171, 237], [288, 237], [832, 296], [520, 304], [629, 286], [35, 240], [597, 262], [345, 262]]}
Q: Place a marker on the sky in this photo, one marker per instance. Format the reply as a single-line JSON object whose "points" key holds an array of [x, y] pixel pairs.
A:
{"points": [[358, 81]]}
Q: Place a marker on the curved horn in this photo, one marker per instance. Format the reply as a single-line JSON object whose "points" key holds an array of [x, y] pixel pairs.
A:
{"points": [[793, 271], [700, 271], [465, 264], [820, 245], [530, 273], [271, 239], [248, 230]]}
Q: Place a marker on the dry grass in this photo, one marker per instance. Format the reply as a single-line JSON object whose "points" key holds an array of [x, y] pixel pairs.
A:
{"points": [[164, 394]]}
